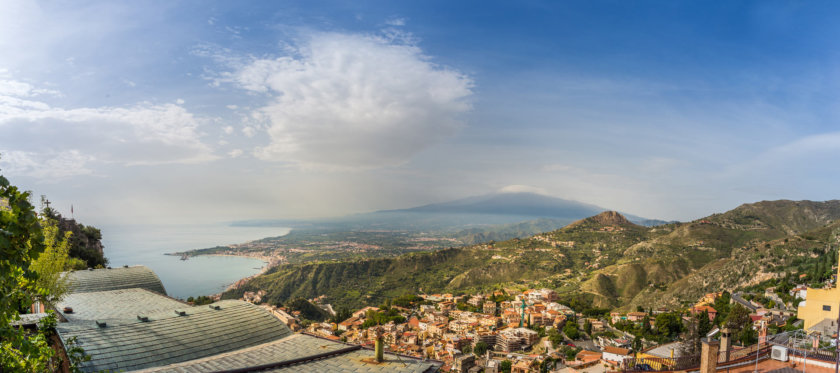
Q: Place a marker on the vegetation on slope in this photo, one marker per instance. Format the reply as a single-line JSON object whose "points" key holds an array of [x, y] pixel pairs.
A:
{"points": [[600, 262]]}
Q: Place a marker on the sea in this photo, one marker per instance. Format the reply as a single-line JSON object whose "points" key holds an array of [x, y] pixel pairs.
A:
{"points": [[201, 275]]}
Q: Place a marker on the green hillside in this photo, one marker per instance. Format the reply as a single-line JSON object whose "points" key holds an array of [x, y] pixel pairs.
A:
{"points": [[604, 261]]}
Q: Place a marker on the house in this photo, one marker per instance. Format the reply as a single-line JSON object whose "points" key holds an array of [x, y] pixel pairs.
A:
{"points": [[349, 323], [636, 316], [821, 304], [698, 310], [615, 355], [586, 357]]}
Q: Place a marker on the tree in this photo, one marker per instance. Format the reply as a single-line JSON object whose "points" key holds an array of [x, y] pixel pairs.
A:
{"points": [[703, 324], [646, 325], [21, 242], [740, 323], [547, 365], [505, 366], [571, 330], [668, 325], [52, 262], [555, 337], [638, 345], [480, 348], [587, 326]]}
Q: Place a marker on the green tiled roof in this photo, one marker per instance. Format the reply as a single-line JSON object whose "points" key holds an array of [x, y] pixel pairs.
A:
{"points": [[304, 349], [168, 338], [116, 304], [86, 281]]}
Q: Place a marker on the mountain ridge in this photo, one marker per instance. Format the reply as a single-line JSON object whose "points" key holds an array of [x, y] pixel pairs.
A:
{"points": [[603, 261]]}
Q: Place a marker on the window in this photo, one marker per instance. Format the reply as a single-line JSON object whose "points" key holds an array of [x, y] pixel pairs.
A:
{"points": [[826, 308]]}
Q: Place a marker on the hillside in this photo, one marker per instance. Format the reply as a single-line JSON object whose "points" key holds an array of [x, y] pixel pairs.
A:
{"points": [[602, 261]]}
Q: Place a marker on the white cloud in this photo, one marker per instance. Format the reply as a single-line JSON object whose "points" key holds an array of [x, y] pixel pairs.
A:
{"points": [[235, 153], [51, 166], [232, 107], [396, 21], [354, 101], [249, 131], [69, 139], [180, 101], [227, 130], [523, 189]]}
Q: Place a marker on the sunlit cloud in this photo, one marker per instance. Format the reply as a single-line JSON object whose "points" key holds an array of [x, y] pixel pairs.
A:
{"points": [[354, 101]]}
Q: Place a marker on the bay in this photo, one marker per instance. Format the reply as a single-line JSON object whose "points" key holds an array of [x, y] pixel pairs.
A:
{"points": [[202, 275]]}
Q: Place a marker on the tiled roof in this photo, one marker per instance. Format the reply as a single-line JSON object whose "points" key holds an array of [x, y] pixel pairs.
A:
{"points": [[301, 352], [86, 281], [116, 304], [169, 338]]}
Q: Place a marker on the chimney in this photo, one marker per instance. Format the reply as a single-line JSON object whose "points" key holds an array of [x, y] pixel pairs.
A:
{"points": [[709, 356], [725, 342]]}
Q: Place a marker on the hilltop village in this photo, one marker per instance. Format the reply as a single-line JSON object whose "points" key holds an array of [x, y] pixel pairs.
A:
{"points": [[529, 331]]}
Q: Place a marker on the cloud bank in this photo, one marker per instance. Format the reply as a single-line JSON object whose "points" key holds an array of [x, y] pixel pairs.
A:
{"points": [[43, 141], [354, 101]]}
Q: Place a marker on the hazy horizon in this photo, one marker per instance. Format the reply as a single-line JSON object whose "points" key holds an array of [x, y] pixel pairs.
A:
{"points": [[177, 112]]}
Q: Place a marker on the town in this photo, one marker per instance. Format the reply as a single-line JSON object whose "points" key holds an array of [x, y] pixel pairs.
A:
{"points": [[524, 331]]}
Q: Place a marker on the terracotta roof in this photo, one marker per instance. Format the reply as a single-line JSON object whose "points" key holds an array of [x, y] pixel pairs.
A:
{"points": [[617, 350]]}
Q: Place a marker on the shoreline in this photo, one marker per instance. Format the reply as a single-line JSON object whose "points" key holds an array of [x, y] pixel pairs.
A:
{"points": [[236, 284]]}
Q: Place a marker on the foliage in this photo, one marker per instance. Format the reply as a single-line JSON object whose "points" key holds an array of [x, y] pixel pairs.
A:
{"points": [[52, 262], [569, 352], [480, 348], [373, 317], [505, 366], [307, 310], [547, 365], [571, 330], [407, 300], [200, 300], [84, 241], [21, 242], [342, 314], [76, 355], [740, 323], [668, 324]]}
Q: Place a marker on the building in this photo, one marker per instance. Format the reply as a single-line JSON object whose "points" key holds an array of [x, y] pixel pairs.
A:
{"points": [[463, 363], [700, 309], [821, 304], [615, 355], [125, 322]]}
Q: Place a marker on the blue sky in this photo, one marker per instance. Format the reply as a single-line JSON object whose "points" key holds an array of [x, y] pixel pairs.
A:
{"points": [[216, 111]]}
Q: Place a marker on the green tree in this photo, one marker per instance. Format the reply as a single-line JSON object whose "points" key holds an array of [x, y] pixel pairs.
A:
{"points": [[587, 326], [555, 337], [21, 242], [638, 345], [668, 325], [480, 348], [571, 330], [52, 262], [505, 366], [547, 365], [739, 322]]}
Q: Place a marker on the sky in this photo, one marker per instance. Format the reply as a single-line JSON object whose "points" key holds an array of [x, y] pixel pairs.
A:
{"points": [[203, 111]]}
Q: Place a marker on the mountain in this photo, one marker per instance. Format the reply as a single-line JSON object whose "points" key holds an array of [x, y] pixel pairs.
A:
{"points": [[466, 213], [603, 261], [520, 205]]}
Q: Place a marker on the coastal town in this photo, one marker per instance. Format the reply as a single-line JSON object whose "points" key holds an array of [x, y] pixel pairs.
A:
{"points": [[530, 331]]}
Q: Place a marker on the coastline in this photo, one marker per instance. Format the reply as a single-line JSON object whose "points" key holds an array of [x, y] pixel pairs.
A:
{"points": [[267, 264]]}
